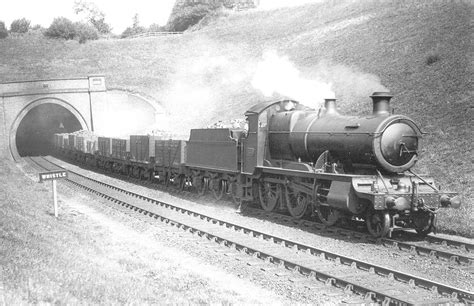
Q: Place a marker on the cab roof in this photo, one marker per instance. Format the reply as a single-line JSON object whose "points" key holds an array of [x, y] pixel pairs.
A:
{"points": [[259, 108]]}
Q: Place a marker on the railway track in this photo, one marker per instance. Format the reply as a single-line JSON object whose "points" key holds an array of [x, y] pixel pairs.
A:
{"points": [[455, 252], [373, 282], [434, 247]]}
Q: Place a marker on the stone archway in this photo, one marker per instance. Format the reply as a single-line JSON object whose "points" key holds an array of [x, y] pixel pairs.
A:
{"points": [[55, 103]]}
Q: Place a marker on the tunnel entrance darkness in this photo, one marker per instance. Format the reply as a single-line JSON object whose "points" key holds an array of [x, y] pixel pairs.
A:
{"points": [[34, 135]]}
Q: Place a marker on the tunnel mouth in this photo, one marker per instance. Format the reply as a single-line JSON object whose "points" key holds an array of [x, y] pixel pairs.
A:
{"points": [[34, 135]]}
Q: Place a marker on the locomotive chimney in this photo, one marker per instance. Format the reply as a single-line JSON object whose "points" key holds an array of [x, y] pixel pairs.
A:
{"points": [[381, 103], [330, 106]]}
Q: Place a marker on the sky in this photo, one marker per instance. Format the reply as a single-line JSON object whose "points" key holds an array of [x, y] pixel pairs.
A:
{"points": [[119, 14]]}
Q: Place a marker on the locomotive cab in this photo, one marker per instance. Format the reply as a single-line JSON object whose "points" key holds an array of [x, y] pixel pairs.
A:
{"points": [[255, 145]]}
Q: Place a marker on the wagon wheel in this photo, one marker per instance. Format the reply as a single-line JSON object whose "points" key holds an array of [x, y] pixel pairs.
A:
{"points": [[297, 203], [218, 188], [167, 179], [203, 186], [269, 195], [378, 222], [423, 222], [184, 182], [151, 175]]}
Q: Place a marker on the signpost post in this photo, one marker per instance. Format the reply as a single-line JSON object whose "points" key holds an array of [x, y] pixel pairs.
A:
{"points": [[53, 176]]}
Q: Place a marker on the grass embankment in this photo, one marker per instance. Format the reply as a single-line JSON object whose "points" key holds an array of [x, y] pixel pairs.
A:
{"points": [[421, 51], [85, 257]]}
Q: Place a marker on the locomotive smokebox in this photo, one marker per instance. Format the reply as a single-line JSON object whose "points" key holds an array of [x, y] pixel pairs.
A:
{"points": [[381, 103]]}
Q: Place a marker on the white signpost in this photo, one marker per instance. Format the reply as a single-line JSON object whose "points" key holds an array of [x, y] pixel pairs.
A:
{"points": [[53, 176]]}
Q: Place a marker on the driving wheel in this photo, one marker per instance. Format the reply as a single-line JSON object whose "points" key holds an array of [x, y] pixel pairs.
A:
{"points": [[297, 203], [269, 195]]}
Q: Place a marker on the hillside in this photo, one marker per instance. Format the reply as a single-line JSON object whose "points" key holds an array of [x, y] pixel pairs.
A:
{"points": [[422, 52]]}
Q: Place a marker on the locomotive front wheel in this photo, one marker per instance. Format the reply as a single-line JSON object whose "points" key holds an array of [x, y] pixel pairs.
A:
{"points": [[269, 195], [297, 203], [378, 223]]}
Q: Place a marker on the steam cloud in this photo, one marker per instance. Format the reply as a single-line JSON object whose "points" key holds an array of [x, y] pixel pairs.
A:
{"points": [[276, 74], [212, 83]]}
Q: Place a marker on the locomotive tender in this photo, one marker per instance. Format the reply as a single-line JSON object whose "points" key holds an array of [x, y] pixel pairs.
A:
{"points": [[293, 158]]}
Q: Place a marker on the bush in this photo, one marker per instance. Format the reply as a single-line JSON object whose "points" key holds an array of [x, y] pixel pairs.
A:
{"points": [[189, 15], [85, 32], [61, 28], [20, 25], [130, 31], [431, 59], [3, 30], [156, 28]]}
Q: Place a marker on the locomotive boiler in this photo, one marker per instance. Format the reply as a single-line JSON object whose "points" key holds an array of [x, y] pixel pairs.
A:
{"points": [[380, 140], [296, 159]]}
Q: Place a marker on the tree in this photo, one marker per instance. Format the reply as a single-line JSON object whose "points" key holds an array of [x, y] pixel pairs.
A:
{"points": [[85, 32], [136, 21], [136, 28], [92, 14], [188, 15], [20, 25], [3, 30], [61, 27]]}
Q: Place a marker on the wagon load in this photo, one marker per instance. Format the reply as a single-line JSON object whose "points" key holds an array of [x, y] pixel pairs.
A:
{"points": [[86, 141]]}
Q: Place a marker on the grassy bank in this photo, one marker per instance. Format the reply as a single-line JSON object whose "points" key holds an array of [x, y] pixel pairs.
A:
{"points": [[85, 257]]}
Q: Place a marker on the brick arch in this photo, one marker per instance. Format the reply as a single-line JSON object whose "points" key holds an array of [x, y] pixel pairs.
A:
{"points": [[45, 100]]}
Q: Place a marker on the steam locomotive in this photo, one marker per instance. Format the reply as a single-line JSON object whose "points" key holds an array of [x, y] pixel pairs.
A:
{"points": [[293, 158]]}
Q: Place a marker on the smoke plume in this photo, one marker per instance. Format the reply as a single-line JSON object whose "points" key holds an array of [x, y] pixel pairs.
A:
{"points": [[219, 82], [278, 75]]}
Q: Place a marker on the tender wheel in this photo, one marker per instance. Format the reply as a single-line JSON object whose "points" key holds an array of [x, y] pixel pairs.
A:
{"points": [[423, 223], [378, 223], [297, 203], [269, 195], [203, 186], [218, 188], [233, 193]]}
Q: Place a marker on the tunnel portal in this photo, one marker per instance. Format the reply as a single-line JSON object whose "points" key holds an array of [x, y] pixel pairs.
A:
{"points": [[34, 135]]}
